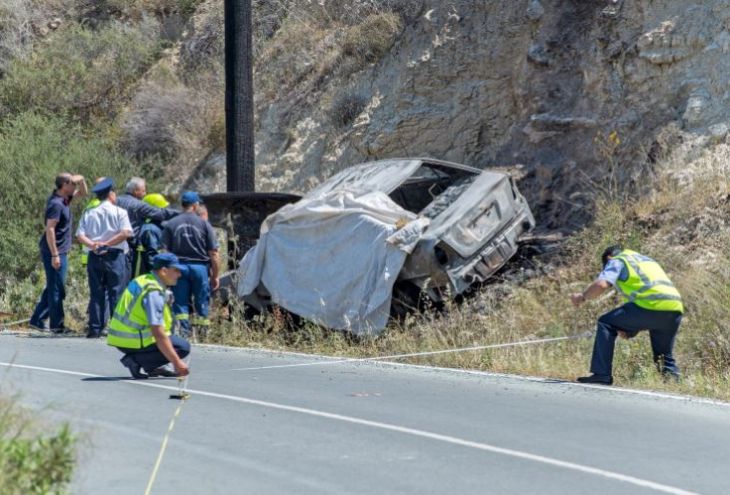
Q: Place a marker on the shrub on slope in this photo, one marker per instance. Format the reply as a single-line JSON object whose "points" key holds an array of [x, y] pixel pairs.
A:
{"points": [[79, 71]]}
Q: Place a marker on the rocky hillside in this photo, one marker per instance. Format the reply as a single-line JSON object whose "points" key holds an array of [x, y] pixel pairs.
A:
{"points": [[568, 94], [571, 92]]}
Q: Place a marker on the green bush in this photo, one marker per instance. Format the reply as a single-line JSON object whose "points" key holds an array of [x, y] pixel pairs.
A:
{"points": [[80, 71], [33, 149], [32, 462]]}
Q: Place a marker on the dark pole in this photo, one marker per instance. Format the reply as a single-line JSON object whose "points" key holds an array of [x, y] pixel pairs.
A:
{"points": [[239, 96]]}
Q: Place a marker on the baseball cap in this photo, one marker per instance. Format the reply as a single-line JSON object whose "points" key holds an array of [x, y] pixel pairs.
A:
{"points": [[190, 197], [166, 260]]}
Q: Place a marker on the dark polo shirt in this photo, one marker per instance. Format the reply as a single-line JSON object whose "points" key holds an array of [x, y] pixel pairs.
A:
{"points": [[57, 208]]}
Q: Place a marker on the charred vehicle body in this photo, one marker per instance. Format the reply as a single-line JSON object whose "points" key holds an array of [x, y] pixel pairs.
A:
{"points": [[470, 223], [240, 215], [476, 218]]}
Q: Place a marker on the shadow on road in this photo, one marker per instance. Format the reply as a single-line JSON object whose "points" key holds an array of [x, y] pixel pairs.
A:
{"points": [[107, 379]]}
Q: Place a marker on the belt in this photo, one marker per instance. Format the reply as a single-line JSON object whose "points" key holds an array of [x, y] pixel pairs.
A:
{"points": [[108, 252]]}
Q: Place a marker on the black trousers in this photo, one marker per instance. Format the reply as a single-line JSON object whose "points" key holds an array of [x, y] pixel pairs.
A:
{"points": [[662, 327], [150, 357]]}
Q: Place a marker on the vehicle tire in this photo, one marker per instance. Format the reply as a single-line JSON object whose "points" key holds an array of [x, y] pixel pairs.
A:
{"points": [[406, 300]]}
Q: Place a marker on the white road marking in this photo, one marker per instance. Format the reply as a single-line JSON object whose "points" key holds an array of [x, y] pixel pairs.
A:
{"points": [[391, 427], [335, 359]]}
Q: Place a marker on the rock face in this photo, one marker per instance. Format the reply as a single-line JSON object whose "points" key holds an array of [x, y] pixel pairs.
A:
{"points": [[571, 90]]}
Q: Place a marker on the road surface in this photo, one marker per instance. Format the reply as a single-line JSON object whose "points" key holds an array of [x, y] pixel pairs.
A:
{"points": [[260, 422]]}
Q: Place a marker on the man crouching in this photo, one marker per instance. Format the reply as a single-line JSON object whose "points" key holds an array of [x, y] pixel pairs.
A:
{"points": [[142, 320]]}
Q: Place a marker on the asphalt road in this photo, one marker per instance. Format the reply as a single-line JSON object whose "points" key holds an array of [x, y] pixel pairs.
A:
{"points": [[260, 422]]}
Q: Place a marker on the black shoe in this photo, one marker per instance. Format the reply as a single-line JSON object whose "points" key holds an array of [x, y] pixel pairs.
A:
{"points": [[596, 379], [133, 367], [38, 327], [161, 372], [92, 335], [103, 333], [668, 377], [61, 331]]}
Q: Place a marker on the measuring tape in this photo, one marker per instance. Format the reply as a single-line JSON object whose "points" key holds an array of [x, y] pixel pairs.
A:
{"points": [[182, 396]]}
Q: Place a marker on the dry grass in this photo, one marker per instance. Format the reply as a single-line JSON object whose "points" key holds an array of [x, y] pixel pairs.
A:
{"points": [[138, 9], [22, 22], [166, 121], [371, 39], [309, 51], [16, 30], [682, 224]]}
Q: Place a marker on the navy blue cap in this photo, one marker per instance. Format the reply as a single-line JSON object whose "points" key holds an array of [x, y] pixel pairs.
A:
{"points": [[103, 186], [190, 197], [166, 260]]}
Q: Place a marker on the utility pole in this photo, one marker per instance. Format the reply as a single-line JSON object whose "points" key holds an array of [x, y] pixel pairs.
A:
{"points": [[240, 159]]}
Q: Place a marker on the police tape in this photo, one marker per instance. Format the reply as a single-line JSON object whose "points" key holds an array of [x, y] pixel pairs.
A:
{"points": [[394, 357], [163, 448], [182, 395], [5, 325], [480, 347]]}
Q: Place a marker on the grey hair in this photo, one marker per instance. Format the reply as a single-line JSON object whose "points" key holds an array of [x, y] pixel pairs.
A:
{"points": [[134, 184]]}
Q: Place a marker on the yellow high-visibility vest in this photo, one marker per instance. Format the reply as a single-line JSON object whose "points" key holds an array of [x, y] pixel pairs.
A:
{"points": [[129, 327], [647, 285]]}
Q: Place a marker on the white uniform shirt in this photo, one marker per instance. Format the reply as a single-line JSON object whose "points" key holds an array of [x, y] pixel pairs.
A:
{"points": [[104, 222], [614, 271]]}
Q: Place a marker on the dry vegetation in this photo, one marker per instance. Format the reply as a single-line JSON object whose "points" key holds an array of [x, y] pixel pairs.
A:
{"points": [[106, 90], [681, 223]]}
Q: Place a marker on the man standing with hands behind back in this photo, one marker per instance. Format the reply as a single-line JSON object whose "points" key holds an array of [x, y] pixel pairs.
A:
{"points": [[55, 243], [105, 230]]}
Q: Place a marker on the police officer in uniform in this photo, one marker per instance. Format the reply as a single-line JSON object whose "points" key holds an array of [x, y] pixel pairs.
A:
{"points": [[104, 230], [142, 322], [651, 302]]}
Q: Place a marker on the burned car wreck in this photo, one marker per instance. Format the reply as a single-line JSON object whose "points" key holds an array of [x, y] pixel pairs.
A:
{"points": [[416, 225]]}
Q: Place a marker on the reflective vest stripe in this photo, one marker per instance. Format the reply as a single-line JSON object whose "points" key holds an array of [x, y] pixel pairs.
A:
{"points": [[637, 293], [129, 328], [661, 297], [127, 335], [647, 285], [125, 317], [130, 323]]}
